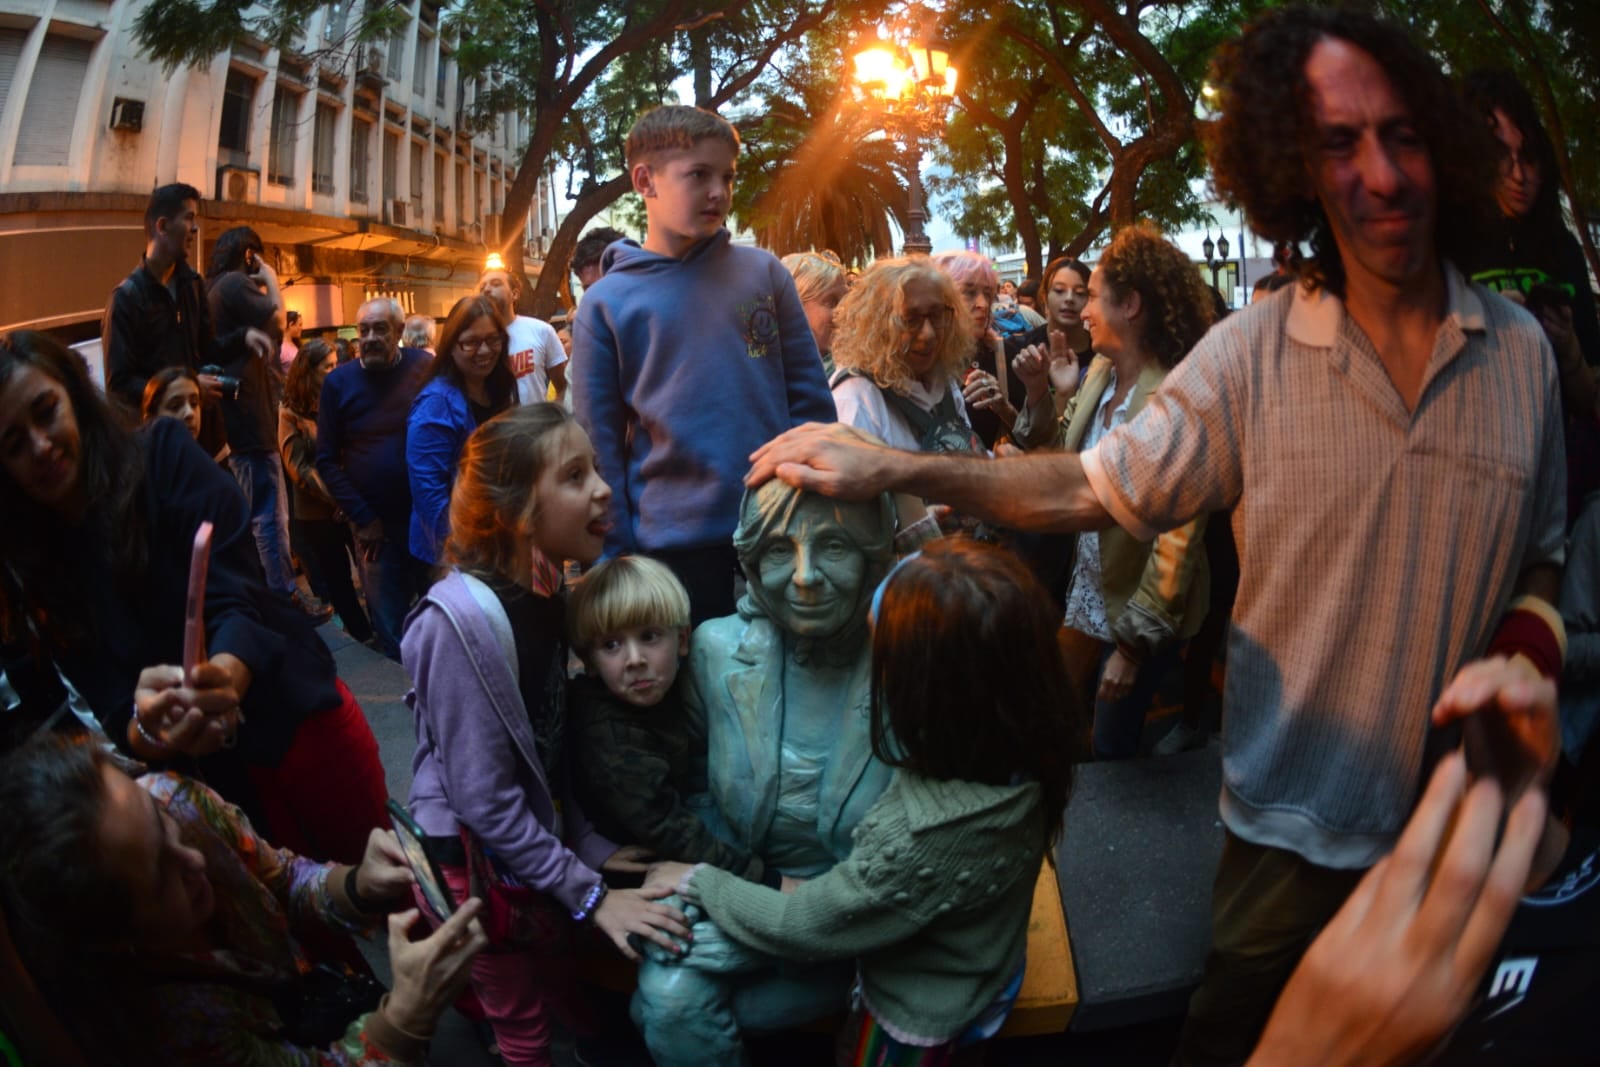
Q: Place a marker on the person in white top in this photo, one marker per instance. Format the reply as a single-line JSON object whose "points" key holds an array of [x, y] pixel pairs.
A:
{"points": [[537, 357]]}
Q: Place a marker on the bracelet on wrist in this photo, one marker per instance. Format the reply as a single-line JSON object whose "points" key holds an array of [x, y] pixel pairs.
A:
{"points": [[591, 903], [361, 903], [146, 736]]}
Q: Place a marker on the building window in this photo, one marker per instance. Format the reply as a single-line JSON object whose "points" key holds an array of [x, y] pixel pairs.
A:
{"points": [[439, 165], [233, 135], [397, 55], [417, 150], [391, 165], [441, 74], [11, 45], [419, 63], [45, 137], [326, 123], [360, 148], [337, 19], [285, 128]]}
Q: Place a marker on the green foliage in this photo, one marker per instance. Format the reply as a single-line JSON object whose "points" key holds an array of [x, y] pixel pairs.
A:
{"points": [[816, 171], [178, 33], [1054, 111]]}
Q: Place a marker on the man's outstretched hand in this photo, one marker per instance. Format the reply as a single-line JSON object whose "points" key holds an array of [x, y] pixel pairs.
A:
{"points": [[829, 458]]}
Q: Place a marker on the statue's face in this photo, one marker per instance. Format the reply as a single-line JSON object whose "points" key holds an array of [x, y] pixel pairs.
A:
{"points": [[812, 572]]}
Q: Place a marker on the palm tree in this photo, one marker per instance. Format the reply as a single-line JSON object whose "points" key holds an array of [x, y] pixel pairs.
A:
{"points": [[829, 180]]}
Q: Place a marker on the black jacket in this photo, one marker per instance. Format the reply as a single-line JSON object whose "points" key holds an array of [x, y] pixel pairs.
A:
{"points": [[146, 328], [1519, 253], [293, 673]]}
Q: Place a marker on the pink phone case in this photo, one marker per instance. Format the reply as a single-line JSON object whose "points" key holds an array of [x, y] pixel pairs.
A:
{"points": [[194, 622]]}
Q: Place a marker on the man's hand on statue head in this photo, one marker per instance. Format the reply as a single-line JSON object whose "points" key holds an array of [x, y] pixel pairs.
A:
{"points": [[637, 911], [833, 459], [629, 859]]}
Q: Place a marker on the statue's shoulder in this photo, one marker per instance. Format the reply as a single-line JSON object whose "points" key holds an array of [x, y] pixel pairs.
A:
{"points": [[733, 639]]}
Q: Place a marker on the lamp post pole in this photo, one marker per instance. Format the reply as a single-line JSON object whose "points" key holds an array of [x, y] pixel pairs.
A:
{"points": [[907, 75], [916, 241], [1212, 260]]}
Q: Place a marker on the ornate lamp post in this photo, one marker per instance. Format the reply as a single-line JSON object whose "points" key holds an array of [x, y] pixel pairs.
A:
{"points": [[907, 77], [1212, 260]]}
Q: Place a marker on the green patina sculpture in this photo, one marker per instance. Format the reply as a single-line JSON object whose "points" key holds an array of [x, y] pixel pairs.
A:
{"points": [[781, 693]]}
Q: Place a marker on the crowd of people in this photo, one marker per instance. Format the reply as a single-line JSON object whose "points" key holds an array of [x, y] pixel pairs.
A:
{"points": [[758, 625]]}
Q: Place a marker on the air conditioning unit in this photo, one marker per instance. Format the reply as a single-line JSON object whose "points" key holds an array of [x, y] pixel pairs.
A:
{"points": [[238, 183], [396, 212], [127, 114]]}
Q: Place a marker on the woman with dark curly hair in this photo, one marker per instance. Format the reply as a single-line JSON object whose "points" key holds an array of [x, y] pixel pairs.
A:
{"points": [[1131, 604]]}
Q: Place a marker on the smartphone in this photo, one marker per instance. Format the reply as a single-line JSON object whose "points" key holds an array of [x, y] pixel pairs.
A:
{"points": [[430, 879], [194, 621]]}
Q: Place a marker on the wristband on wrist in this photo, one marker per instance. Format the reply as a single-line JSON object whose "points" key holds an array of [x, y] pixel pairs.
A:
{"points": [[591, 903], [1532, 628], [362, 904]]}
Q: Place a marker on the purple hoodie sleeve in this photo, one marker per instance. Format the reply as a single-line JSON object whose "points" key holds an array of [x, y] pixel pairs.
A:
{"points": [[809, 398], [489, 788]]}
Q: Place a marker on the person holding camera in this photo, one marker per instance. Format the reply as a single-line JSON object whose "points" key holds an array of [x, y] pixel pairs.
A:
{"points": [[242, 292]]}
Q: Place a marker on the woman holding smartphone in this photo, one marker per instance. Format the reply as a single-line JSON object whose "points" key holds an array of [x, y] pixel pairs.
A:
{"points": [[99, 529]]}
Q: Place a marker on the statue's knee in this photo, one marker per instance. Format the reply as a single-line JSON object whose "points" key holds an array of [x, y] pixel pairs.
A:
{"points": [[667, 992]]}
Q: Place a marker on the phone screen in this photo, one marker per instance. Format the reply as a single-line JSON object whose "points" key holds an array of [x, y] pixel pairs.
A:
{"points": [[429, 878]]}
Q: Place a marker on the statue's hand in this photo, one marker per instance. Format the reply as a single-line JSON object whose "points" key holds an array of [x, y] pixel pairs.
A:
{"points": [[657, 953]]}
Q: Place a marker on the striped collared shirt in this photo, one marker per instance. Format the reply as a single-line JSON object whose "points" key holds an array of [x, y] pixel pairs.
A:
{"points": [[1377, 546]]}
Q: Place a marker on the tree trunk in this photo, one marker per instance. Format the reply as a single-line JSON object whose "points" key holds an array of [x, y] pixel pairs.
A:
{"points": [[544, 300]]}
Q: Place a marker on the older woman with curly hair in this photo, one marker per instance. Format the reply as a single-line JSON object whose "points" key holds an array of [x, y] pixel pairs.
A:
{"points": [[901, 341], [1131, 604]]}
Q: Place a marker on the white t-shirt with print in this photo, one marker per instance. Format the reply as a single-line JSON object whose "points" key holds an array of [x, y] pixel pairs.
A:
{"points": [[535, 350]]}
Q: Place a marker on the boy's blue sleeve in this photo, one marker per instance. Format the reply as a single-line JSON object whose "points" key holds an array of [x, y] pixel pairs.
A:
{"points": [[809, 398], [598, 403]]}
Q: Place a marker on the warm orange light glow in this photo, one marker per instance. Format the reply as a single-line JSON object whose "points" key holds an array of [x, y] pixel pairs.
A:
{"points": [[494, 262], [881, 73]]}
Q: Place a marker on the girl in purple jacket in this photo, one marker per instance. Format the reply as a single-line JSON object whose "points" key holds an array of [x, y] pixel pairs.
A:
{"points": [[487, 654]]}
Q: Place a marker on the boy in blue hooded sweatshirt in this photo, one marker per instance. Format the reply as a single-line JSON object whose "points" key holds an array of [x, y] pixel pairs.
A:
{"points": [[689, 354]]}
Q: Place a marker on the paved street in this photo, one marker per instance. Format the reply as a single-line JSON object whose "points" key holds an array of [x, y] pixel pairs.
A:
{"points": [[380, 686]]}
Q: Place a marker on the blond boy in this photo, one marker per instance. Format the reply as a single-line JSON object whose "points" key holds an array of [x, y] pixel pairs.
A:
{"points": [[636, 759]]}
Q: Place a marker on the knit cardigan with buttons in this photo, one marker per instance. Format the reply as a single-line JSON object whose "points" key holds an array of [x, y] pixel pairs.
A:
{"points": [[933, 899]]}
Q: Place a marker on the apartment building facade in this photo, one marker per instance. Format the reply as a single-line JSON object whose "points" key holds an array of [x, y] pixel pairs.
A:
{"points": [[358, 167]]}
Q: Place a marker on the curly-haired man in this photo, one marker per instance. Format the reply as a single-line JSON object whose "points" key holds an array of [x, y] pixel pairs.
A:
{"points": [[1390, 435]]}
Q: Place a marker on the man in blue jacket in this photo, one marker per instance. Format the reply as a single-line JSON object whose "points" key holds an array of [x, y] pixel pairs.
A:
{"points": [[361, 455]]}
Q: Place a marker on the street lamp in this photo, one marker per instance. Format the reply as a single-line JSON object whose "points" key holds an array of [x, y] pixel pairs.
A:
{"points": [[1212, 260], [907, 77]]}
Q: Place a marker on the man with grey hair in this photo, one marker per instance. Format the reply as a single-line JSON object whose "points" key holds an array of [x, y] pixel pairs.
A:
{"points": [[361, 455]]}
